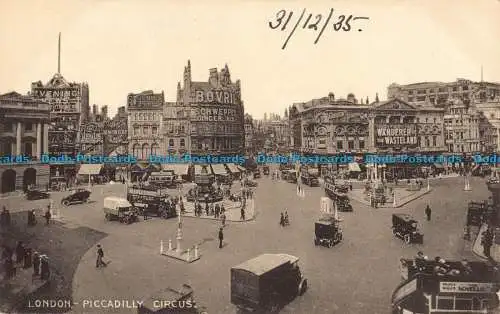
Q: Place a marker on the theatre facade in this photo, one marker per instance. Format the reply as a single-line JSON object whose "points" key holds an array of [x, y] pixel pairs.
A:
{"points": [[329, 126]]}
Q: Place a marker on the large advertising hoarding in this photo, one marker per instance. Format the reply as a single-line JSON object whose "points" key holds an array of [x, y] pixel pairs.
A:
{"points": [[396, 135], [90, 133], [61, 100], [215, 114], [226, 97], [145, 101], [115, 131]]}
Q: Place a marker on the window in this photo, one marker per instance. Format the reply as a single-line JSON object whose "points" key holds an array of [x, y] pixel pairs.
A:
{"points": [[154, 130], [426, 120], [418, 120], [455, 89], [171, 142], [136, 151], [340, 145], [441, 90], [444, 303], [465, 87], [8, 126], [411, 99], [182, 142], [145, 130], [434, 140], [361, 144], [435, 120], [350, 145], [427, 142], [421, 98], [28, 127], [28, 149]]}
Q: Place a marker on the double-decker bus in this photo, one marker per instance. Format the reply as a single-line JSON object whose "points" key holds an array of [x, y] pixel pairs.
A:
{"points": [[431, 287]]}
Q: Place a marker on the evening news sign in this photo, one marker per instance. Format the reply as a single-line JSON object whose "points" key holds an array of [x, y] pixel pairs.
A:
{"points": [[90, 133], [397, 135], [116, 131], [466, 287], [217, 96], [214, 114], [61, 100]]}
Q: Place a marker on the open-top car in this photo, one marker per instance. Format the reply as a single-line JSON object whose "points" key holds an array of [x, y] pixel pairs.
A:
{"points": [[406, 228], [36, 195], [77, 196], [327, 231]]}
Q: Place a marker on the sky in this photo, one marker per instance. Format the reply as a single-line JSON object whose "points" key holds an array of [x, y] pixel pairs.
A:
{"points": [[126, 46]]}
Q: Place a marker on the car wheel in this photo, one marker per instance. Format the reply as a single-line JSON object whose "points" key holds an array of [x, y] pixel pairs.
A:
{"points": [[65, 203], [303, 287], [407, 239]]}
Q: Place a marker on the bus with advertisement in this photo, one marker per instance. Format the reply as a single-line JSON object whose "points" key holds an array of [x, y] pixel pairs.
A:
{"points": [[439, 286]]}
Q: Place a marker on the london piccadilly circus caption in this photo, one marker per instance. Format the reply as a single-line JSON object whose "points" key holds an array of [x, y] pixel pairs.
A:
{"points": [[314, 22]]}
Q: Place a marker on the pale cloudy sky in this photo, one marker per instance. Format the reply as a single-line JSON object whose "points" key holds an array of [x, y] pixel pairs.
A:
{"points": [[129, 46]]}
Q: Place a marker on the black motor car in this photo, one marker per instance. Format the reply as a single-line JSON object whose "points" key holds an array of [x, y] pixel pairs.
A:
{"points": [[36, 195], [78, 196], [327, 231], [406, 228]]}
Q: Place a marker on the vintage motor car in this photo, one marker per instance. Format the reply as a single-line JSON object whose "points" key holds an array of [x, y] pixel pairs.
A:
{"points": [[327, 231], [119, 209], [77, 196], [36, 195], [406, 228], [266, 170], [343, 204], [251, 183], [151, 202], [289, 176], [171, 301], [267, 283], [256, 174]]}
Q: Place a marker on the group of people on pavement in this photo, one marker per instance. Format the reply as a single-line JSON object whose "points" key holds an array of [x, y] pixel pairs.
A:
{"points": [[26, 258], [284, 220]]}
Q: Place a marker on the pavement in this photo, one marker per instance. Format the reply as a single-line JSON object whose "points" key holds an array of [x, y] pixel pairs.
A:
{"points": [[341, 279], [403, 197], [232, 210], [478, 248]]}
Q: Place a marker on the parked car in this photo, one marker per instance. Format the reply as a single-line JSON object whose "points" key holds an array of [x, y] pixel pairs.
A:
{"points": [[78, 196], [36, 195], [116, 208], [267, 282]]}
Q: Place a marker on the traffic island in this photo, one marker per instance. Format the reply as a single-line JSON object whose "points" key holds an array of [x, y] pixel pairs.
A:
{"points": [[401, 197], [232, 212], [189, 255]]}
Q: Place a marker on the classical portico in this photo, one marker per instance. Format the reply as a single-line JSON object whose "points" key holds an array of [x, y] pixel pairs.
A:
{"points": [[23, 135]]}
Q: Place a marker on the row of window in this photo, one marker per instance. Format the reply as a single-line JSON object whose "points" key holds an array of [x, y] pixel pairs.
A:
{"points": [[146, 116], [460, 135], [219, 128], [6, 148], [146, 130], [460, 121], [439, 90], [461, 148], [9, 127]]}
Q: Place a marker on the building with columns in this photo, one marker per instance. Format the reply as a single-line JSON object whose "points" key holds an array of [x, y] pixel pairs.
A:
{"points": [[145, 111], [216, 112], [24, 129], [329, 126]]}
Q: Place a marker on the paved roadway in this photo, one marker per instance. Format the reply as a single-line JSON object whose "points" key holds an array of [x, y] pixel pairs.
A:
{"points": [[357, 276]]}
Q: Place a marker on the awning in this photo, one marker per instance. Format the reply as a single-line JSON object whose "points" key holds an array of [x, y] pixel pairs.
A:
{"points": [[198, 169], [439, 166], [353, 166], [232, 168], [179, 169], [90, 169], [218, 169]]}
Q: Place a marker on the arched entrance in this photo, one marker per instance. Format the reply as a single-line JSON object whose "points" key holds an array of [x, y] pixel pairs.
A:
{"points": [[8, 181], [29, 178]]}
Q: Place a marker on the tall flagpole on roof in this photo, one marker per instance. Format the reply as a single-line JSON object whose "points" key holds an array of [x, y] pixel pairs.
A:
{"points": [[59, 55]]}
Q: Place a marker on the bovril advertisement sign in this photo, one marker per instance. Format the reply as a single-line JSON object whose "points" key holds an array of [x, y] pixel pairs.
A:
{"points": [[397, 135]]}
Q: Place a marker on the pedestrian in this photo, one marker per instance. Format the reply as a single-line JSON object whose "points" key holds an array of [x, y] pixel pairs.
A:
{"points": [[44, 267], [221, 238], [223, 218], [47, 215], [287, 222], [28, 257], [36, 264], [20, 252], [9, 268], [242, 217], [145, 213], [428, 212], [100, 255], [282, 220], [217, 209]]}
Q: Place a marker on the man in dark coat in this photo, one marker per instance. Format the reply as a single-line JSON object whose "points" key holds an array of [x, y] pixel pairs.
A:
{"points": [[36, 264], [44, 268], [242, 217], [28, 258], [47, 216], [100, 255], [221, 238], [428, 212], [20, 252]]}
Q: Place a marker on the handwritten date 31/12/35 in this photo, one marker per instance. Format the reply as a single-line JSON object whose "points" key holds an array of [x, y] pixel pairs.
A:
{"points": [[289, 20]]}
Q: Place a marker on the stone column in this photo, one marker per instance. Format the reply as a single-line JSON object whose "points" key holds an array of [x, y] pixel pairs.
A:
{"points": [[46, 138], [18, 139], [38, 140]]}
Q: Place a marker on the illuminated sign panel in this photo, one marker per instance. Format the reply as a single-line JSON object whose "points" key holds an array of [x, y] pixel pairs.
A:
{"points": [[397, 135], [61, 100]]}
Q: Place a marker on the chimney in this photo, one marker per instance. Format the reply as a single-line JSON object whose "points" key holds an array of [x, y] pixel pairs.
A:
{"points": [[213, 78], [331, 97], [94, 110]]}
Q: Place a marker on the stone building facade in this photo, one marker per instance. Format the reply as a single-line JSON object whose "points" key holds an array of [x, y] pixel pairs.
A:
{"points": [[249, 131], [24, 132], [145, 111], [176, 129], [216, 112]]}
